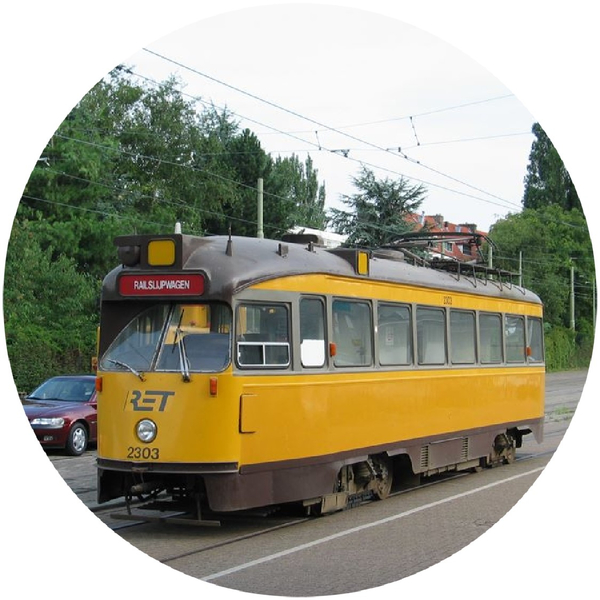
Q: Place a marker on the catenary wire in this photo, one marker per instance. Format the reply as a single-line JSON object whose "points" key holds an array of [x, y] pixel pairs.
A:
{"points": [[328, 128]]}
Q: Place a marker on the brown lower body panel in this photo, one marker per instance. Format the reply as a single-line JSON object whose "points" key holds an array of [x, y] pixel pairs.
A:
{"points": [[288, 481]]}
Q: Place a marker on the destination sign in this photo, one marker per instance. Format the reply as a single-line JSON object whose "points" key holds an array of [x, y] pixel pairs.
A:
{"points": [[186, 284]]}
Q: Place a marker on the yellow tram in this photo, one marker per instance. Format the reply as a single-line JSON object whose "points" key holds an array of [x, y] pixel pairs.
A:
{"points": [[239, 372]]}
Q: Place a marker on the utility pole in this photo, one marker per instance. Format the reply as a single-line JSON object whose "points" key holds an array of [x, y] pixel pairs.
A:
{"points": [[573, 298], [594, 301], [520, 268], [259, 217]]}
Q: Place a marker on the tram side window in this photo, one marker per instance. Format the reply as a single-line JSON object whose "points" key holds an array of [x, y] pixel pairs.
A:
{"points": [[490, 338], [431, 336], [535, 336], [352, 333], [514, 334], [262, 335], [462, 337], [312, 332], [394, 334]]}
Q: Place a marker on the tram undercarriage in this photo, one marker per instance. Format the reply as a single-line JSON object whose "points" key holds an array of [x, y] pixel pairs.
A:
{"points": [[351, 482]]}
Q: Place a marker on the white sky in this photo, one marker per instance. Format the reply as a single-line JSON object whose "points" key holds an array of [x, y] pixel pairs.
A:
{"points": [[364, 75], [545, 53]]}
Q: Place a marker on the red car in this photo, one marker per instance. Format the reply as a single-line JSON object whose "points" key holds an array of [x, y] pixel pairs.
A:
{"points": [[62, 412]]}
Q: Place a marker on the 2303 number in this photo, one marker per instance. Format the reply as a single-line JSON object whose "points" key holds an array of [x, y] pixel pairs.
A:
{"points": [[136, 452]]}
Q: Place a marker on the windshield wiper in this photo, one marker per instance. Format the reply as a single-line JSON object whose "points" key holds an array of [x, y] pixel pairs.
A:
{"points": [[184, 363], [120, 363], [184, 367]]}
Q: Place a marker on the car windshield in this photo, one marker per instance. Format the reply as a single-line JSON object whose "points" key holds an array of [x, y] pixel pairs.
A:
{"points": [[66, 389], [183, 338]]}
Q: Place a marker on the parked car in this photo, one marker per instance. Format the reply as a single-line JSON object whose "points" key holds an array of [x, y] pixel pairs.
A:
{"points": [[62, 412]]}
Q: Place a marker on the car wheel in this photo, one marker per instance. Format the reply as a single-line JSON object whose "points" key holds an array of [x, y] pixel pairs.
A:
{"points": [[78, 440]]}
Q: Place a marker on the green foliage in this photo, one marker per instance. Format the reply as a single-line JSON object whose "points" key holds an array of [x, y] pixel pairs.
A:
{"points": [[49, 311], [547, 181], [291, 192], [551, 240], [296, 195], [378, 211], [567, 350]]}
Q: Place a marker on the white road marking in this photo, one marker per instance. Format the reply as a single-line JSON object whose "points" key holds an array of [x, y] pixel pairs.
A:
{"points": [[359, 528]]}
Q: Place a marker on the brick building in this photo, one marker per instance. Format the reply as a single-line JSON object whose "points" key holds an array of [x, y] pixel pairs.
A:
{"points": [[459, 248]]}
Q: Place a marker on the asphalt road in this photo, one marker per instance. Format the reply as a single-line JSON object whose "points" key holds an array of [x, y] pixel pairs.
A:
{"points": [[359, 549]]}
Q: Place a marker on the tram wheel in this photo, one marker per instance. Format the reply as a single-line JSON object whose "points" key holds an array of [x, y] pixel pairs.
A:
{"points": [[510, 455], [504, 451], [383, 482]]}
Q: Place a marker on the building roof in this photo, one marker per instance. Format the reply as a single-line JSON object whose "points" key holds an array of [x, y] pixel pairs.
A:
{"points": [[460, 250]]}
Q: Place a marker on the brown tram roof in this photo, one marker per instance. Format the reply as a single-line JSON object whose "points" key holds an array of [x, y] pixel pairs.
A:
{"points": [[232, 264]]}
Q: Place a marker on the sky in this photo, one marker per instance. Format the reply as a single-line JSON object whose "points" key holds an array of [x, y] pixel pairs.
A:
{"points": [[355, 89], [355, 70]]}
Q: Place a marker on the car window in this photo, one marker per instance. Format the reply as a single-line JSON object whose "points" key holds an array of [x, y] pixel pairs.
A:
{"points": [[67, 389]]}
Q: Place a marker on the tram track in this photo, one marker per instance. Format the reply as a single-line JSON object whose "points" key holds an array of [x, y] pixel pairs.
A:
{"points": [[231, 521], [240, 538]]}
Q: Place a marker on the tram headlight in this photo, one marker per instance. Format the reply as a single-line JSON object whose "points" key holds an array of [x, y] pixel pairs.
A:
{"points": [[146, 430]]}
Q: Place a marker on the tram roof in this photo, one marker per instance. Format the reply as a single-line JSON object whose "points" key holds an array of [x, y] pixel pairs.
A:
{"points": [[234, 263]]}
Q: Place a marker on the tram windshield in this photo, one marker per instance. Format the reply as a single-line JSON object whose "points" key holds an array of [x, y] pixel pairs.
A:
{"points": [[184, 338]]}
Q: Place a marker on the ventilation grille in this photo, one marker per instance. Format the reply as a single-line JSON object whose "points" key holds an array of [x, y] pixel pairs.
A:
{"points": [[424, 457], [465, 449]]}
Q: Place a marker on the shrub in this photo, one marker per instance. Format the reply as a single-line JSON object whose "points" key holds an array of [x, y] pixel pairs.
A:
{"points": [[566, 349]]}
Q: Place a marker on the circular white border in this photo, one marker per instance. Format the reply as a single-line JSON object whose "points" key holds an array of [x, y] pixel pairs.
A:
{"points": [[53, 52]]}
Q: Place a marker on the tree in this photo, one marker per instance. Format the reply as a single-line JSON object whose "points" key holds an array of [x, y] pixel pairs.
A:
{"points": [[294, 193], [245, 162], [50, 311], [551, 240], [378, 211], [70, 194], [138, 158], [547, 180], [128, 158]]}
